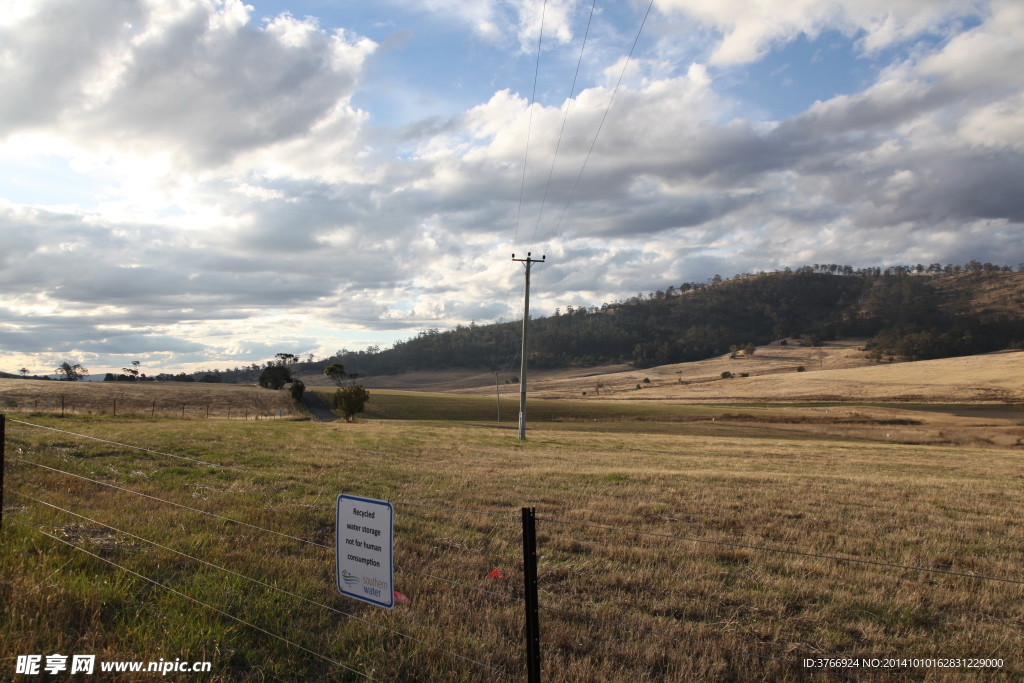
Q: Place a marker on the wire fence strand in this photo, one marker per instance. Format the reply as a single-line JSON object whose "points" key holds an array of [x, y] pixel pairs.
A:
{"points": [[250, 473], [203, 604], [267, 585], [170, 502], [697, 642], [459, 583], [782, 551], [691, 539]]}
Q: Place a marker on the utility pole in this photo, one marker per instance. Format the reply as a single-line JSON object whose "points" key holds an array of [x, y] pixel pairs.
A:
{"points": [[528, 262]]}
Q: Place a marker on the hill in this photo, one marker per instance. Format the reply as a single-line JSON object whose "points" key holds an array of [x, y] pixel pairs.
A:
{"points": [[835, 372], [901, 314]]}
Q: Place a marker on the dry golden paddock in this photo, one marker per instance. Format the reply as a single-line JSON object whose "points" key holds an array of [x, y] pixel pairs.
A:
{"points": [[154, 399], [934, 488], [834, 372]]}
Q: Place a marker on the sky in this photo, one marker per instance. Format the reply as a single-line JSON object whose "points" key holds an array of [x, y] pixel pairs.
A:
{"points": [[201, 184]]}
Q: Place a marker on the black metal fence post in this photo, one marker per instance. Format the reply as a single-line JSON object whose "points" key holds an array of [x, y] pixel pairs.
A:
{"points": [[530, 588]]}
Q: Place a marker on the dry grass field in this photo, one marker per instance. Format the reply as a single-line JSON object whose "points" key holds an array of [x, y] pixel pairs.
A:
{"points": [[835, 372], [704, 601], [155, 399]]}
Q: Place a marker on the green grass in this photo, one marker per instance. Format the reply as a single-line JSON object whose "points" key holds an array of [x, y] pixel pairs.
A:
{"points": [[881, 501], [388, 405]]}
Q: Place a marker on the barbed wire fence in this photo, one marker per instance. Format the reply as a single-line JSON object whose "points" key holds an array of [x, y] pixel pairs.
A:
{"points": [[523, 594], [252, 408]]}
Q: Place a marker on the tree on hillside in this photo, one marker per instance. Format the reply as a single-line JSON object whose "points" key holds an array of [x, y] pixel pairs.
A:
{"points": [[336, 371], [24, 372], [351, 400], [277, 373], [72, 373], [275, 376]]}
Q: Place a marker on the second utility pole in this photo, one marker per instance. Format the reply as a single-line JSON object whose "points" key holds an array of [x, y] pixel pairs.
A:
{"points": [[528, 262]]}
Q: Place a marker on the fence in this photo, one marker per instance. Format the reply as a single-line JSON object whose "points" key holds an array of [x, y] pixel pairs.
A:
{"points": [[254, 408], [522, 597]]}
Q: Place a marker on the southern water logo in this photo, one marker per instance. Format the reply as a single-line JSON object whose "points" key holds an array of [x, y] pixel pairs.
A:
{"points": [[349, 579]]}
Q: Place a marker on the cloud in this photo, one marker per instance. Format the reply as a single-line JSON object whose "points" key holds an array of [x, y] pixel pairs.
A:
{"points": [[493, 20], [248, 207], [748, 30], [199, 81]]}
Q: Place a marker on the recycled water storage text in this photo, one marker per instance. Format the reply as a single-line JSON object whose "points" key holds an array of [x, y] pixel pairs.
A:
{"points": [[364, 549]]}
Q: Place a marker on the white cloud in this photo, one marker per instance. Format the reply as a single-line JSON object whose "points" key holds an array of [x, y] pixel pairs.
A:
{"points": [[750, 29], [196, 80], [245, 197]]}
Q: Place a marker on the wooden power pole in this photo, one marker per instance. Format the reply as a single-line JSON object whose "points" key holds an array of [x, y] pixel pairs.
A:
{"points": [[528, 262]]}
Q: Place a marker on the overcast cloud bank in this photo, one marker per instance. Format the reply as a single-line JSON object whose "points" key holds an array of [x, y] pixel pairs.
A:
{"points": [[211, 194]]}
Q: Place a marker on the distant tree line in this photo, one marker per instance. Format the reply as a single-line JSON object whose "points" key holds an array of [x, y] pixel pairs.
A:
{"points": [[897, 307], [913, 312]]}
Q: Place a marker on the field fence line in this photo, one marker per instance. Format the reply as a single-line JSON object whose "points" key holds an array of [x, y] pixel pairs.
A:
{"points": [[782, 551], [261, 528], [198, 602], [700, 642], [169, 502], [459, 583], [285, 480], [450, 581], [265, 584]]}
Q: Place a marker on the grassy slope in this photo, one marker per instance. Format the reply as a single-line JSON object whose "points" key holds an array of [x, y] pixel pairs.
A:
{"points": [[951, 508], [160, 399], [836, 372]]}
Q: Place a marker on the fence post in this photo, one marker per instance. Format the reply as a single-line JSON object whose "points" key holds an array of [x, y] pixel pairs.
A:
{"points": [[3, 462], [530, 589], [62, 405]]}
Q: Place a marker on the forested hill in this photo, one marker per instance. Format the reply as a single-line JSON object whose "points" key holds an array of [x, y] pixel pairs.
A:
{"points": [[907, 313], [912, 313]]}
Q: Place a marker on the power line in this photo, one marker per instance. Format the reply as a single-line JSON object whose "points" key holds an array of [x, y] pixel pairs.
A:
{"points": [[568, 104], [211, 607], [262, 583], [603, 118], [526, 156], [529, 125]]}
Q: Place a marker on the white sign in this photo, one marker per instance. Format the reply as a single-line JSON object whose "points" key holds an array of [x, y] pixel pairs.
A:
{"points": [[364, 548]]}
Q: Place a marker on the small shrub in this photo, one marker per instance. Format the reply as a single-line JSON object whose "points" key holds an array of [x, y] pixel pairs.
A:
{"points": [[584, 393], [783, 342], [638, 386], [726, 375], [297, 389], [646, 381], [801, 368], [744, 374], [351, 400]]}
